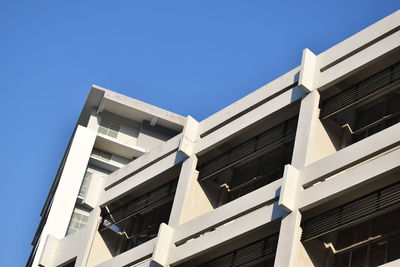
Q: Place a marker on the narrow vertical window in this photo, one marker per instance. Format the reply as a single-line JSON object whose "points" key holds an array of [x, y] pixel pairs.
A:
{"points": [[85, 184]]}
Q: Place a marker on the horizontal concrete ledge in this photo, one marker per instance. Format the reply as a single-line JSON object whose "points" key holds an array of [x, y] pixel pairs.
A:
{"points": [[226, 232], [118, 147], [116, 102], [131, 256], [352, 179], [359, 39], [265, 92], [350, 156], [144, 161], [228, 212], [395, 263], [143, 176], [358, 61], [213, 139]]}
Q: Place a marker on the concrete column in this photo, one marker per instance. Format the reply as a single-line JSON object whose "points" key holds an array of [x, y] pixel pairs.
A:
{"points": [[308, 116], [312, 141], [189, 137], [289, 189], [94, 249], [309, 71], [70, 181], [290, 251], [163, 244], [49, 251], [93, 191], [190, 200]]}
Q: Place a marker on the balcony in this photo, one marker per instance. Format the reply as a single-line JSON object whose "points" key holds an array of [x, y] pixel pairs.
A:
{"points": [[250, 165], [363, 232], [132, 221], [363, 109]]}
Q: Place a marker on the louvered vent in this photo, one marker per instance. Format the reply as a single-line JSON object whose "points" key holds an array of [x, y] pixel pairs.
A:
{"points": [[262, 141], [264, 248], [360, 91], [379, 201], [158, 195]]}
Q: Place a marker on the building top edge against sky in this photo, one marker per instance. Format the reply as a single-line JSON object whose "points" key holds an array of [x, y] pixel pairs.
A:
{"points": [[159, 152]]}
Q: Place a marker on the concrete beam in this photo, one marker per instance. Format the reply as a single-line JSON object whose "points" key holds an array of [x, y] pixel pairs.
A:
{"points": [[146, 174], [358, 61], [351, 155], [228, 212], [135, 166], [351, 179], [131, 256], [213, 139], [226, 232], [267, 91]]}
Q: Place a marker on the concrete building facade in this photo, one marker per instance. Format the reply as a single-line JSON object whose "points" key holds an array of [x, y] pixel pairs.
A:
{"points": [[304, 171]]}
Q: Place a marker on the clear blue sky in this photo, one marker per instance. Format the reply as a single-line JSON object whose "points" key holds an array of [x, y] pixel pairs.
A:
{"points": [[190, 57]]}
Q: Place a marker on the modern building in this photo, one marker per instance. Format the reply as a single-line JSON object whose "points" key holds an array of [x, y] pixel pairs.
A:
{"points": [[304, 171]]}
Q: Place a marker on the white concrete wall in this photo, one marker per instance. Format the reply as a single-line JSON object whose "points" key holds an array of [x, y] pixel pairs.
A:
{"points": [[64, 198]]}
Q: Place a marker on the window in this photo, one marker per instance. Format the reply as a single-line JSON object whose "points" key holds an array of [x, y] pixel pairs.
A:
{"points": [[138, 220], [371, 243], [363, 109], [110, 128], [363, 232], [78, 220], [85, 184], [101, 155], [249, 165]]}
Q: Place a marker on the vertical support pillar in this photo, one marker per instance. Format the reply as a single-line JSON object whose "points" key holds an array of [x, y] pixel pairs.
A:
{"points": [[189, 137], [94, 250], [190, 200], [163, 244], [308, 117], [290, 251], [308, 71], [289, 189]]}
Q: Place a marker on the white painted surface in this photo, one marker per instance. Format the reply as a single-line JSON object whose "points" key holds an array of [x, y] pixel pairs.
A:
{"points": [[64, 199]]}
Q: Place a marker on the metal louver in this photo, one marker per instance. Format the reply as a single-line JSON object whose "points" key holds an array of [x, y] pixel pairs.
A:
{"points": [[381, 200], [360, 91], [256, 144], [158, 195], [264, 248]]}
